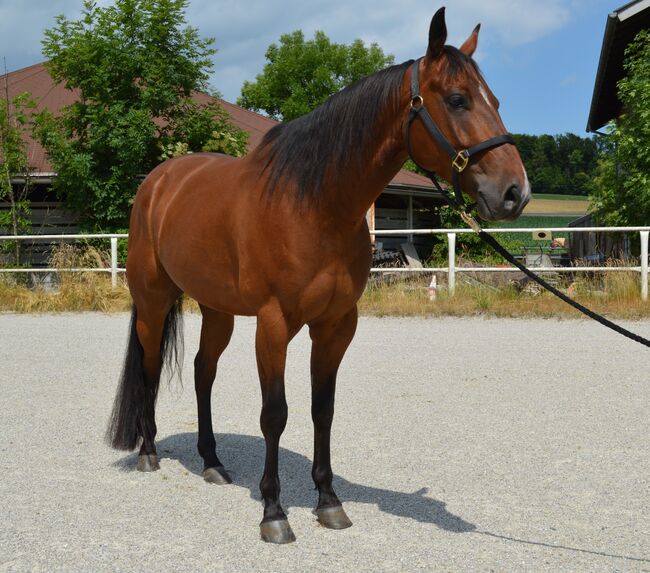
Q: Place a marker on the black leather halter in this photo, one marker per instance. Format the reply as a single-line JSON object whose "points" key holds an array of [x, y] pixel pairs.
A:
{"points": [[459, 159]]}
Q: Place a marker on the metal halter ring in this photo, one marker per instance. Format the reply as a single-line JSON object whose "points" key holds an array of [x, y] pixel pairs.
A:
{"points": [[461, 160], [417, 101]]}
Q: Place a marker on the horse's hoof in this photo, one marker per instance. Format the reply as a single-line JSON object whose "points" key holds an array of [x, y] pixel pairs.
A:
{"points": [[148, 463], [333, 517], [217, 475], [278, 531]]}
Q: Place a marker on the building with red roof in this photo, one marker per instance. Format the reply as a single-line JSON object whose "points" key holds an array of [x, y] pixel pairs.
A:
{"points": [[408, 201]]}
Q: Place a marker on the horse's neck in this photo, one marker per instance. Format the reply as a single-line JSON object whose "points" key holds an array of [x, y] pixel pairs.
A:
{"points": [[354, 189]]}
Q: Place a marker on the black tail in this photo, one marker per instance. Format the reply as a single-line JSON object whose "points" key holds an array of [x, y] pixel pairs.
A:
{"points": [[132, 413]]}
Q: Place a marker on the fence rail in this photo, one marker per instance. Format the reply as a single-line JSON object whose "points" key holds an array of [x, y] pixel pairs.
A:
{"points": [[451, 269], [114, 269]]}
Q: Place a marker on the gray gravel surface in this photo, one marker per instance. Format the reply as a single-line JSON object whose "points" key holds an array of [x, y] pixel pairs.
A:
{"points": [[458, 445]]}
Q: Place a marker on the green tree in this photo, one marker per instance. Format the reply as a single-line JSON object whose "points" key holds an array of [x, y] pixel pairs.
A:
{"points": [[561, 164], [135, 65], [15, 122], [621, 189], [300, 75]]}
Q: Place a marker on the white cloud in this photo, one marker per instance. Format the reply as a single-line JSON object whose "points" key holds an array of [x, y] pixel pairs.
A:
{"points": [[243, 30], [517, 22]]}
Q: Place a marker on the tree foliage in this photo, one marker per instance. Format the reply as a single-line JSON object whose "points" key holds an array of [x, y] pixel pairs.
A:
{"points": [[15, 122], [300, 75], [621, 189], [135, 65], [562, 164]]}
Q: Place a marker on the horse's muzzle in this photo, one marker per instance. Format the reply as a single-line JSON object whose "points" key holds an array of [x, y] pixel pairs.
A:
{"points": [[507, 207]]}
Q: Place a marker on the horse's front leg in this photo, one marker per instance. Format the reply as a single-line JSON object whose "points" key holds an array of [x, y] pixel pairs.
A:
{"points": [[271, 342], [330, 340]]}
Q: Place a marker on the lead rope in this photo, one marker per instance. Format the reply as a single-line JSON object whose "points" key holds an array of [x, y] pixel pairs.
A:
{"points": [[490, 240]]}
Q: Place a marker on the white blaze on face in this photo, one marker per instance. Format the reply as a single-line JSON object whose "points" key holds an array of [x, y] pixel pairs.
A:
{"points": [[526, 191], [484, 93]]}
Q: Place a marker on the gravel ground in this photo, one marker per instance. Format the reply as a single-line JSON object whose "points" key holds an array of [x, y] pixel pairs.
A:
{"points": [[458, 445]]}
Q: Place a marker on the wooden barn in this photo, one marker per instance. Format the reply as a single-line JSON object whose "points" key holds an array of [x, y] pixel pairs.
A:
{"points": [[409, 201], [621, 28]]}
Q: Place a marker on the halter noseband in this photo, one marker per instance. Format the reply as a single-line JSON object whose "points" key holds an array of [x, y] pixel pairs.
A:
{"points": [[459, 159]]}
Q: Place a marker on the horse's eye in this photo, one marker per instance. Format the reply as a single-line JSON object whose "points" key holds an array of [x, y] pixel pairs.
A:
{"points": [[457, 101]]}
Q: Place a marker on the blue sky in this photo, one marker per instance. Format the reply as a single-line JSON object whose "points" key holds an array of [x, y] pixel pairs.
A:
{"points": [[539, 56]]}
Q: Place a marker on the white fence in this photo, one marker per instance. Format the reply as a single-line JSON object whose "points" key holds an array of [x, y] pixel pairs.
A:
{"points": [[451, 269], [113, 269]]}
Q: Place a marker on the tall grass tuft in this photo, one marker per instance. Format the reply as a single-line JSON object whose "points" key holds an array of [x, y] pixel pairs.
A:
{"points": [[74, 291]]}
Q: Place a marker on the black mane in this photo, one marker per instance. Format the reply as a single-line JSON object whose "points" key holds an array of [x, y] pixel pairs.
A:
{"points": [[334, 134], [300, 152]]}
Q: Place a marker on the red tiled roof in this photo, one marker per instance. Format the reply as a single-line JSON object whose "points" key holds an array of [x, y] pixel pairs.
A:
{"points": [[408, 178], [48, 95], [255, 124]]}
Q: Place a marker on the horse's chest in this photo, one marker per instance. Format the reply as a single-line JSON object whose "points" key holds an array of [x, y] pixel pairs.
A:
{"points": [[332, 290]]}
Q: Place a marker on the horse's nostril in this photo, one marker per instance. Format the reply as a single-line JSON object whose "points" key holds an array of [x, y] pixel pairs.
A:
{"points": [[513, 195]]}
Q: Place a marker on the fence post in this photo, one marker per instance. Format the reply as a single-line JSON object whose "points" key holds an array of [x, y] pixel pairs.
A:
{"points": [[644, 265], [451, 274], [113, 262]]}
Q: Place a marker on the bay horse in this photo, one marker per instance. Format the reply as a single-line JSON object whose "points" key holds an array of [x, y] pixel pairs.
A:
{"points": [[281, 234]]}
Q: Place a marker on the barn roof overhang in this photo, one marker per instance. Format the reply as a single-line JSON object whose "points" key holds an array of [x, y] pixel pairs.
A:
{"points": [[414, 191], [622, 26]]}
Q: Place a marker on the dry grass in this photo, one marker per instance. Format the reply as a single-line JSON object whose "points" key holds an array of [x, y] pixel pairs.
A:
{"points": [[614, 294], [549, 207], [87, 291], [552, 205]]}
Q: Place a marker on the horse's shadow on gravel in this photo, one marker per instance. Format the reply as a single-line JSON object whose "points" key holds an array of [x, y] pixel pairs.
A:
{"points": [[243, 457]]}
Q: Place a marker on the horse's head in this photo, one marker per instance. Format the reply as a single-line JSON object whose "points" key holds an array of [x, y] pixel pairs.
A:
{"points": [[466, 112]]}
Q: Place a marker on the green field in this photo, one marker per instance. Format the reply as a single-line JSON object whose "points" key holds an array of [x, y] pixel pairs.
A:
{"points": [[538, 221], [544, 212], [516, 241]]}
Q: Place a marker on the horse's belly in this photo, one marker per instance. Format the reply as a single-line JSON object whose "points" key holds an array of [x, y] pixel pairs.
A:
{"points": [[208, 273]]}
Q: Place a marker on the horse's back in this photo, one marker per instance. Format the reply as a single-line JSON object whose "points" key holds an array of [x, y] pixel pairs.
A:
{"points": [[172, 177], [182, 184]]}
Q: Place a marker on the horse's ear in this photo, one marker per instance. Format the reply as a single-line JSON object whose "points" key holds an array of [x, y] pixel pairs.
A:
{"points": [[437, 34], [469, 47]]}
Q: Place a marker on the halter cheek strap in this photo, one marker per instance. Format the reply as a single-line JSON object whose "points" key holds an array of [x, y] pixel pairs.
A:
{"points": [[459, 159]]}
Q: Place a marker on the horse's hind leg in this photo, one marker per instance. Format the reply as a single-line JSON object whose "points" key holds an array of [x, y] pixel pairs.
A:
{"points": [[153, 337], [155, 330], [216, 330], [153, 327], [330, 340]]}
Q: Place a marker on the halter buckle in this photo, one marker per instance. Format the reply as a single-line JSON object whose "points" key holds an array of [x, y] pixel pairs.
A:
{"points": [[417, 102], [461, 160]]}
